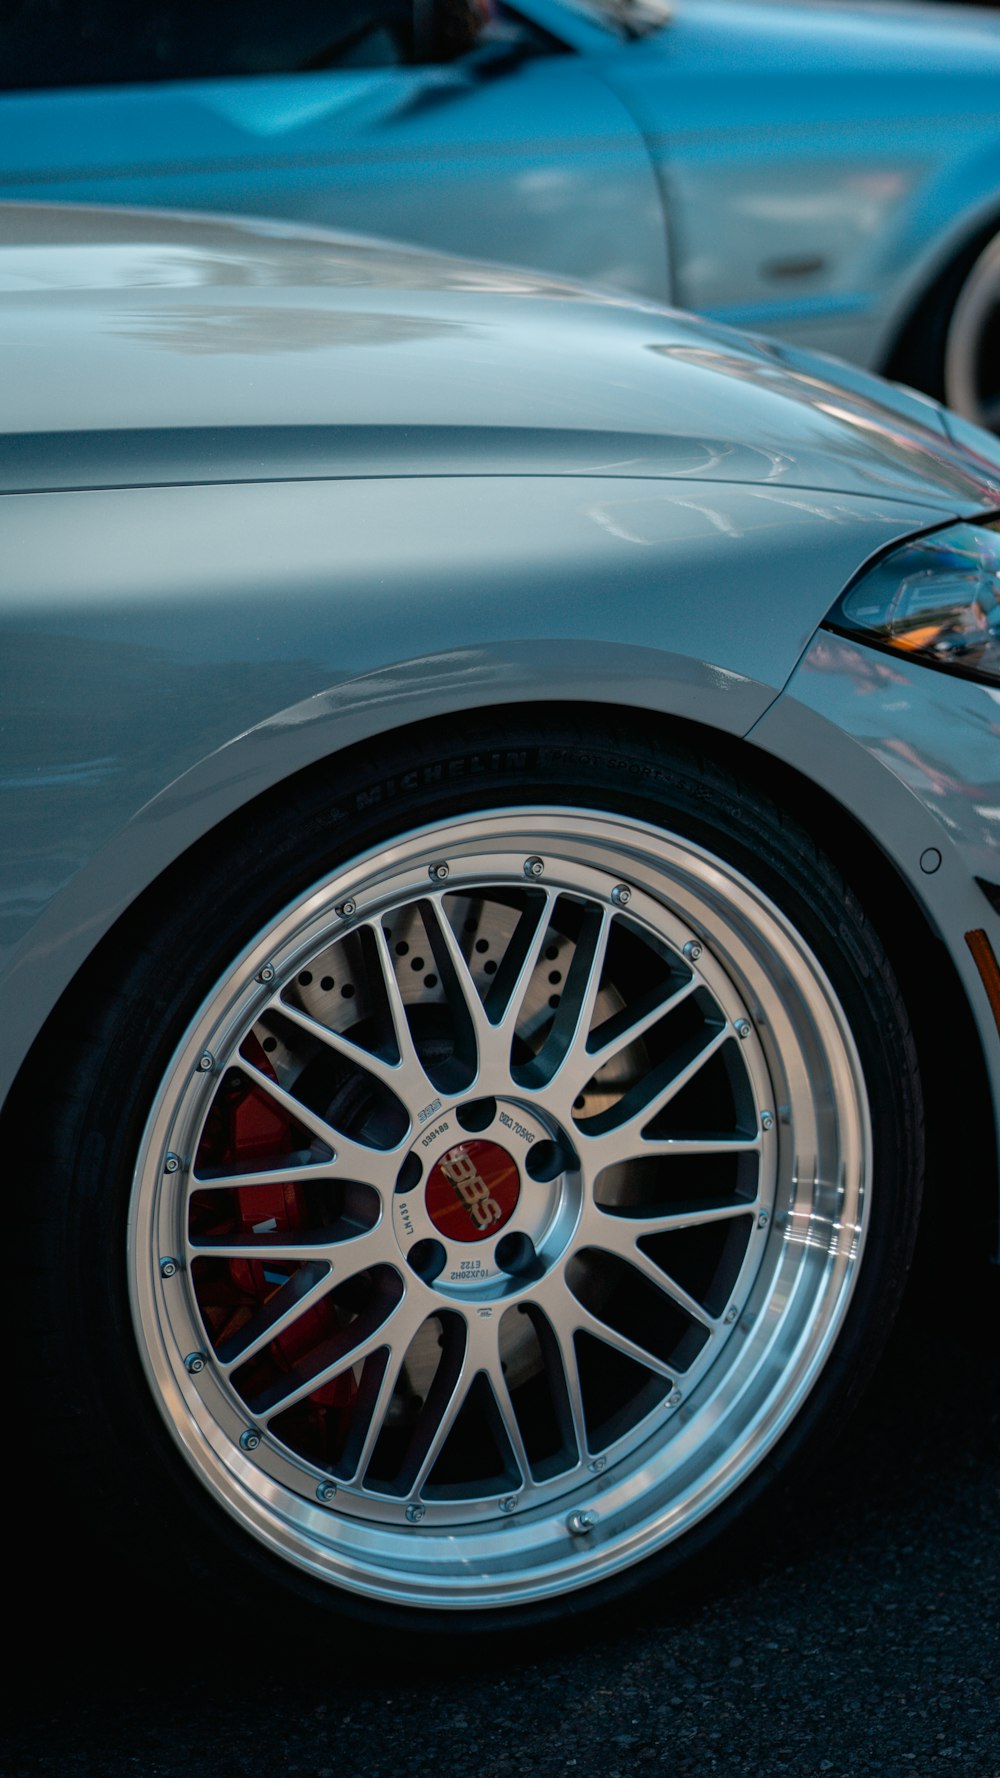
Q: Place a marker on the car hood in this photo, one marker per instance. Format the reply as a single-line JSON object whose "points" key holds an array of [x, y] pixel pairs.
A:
{"points": [[146, 348]]}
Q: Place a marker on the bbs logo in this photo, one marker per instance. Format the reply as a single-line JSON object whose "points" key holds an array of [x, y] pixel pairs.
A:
{"points": [[462, 1175]]}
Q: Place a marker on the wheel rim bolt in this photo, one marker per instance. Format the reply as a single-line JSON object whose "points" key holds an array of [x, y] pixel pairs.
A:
{"points": [[169, 1267], [439, 873], [194, 1362], [763, 1220], [250, 1439], [172, 1163], [206, 1062], [767, 1120], [326, 1492], [533, 867], [675, 1398], [266, 974], [692, 950], [621, 895], [509, 1503], [596, 1464], [414, 1514], [730, 1315], [743, 1027], [347, 908], [578, 1524]]}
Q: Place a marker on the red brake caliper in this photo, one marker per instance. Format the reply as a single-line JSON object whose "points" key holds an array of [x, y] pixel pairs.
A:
{"points": [[245, 1131]]}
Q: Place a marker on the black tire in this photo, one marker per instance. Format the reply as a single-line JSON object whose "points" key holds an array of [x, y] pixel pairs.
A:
{"points": [[935, 350], [104, 1416], [972, 344]]}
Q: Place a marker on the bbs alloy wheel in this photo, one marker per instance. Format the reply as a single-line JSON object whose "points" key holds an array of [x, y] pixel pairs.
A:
{"points": [[504, 1200]]}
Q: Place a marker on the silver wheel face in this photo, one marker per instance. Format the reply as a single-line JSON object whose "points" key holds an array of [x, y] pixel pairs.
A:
{"points": [[500, 1208], [972, 348]]}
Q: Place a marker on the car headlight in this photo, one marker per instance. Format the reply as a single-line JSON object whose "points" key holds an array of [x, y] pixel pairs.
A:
{"points": [[936, 600]]}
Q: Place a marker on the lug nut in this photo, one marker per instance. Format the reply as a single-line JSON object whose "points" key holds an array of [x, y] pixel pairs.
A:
{"points": [[578, 1524], [194, 1362], [169, 1267], [621, 895], [533, 867]]}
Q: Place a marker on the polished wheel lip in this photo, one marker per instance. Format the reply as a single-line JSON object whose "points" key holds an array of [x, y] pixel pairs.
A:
{"points": [[978, 300], [785, 1328]]}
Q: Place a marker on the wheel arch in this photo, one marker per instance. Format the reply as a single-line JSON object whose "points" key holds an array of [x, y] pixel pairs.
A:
{"points": [[949, 1047], [948, 1044], [918, 332]]}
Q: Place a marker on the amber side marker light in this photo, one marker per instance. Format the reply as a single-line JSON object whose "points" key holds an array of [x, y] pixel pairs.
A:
{"points": [[985, 960]]}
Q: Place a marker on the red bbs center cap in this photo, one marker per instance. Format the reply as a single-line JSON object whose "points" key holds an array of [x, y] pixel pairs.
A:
{"points": [[472, 1191]]}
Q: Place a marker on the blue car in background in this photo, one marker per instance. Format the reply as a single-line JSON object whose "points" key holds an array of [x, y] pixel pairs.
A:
{"points": [[828, 174]]}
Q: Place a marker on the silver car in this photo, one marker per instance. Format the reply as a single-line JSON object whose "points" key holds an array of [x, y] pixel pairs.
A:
{"points": [[501, 898]]}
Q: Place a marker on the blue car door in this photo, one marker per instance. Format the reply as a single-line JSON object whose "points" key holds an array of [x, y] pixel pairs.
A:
{"points": [[339, 115]]}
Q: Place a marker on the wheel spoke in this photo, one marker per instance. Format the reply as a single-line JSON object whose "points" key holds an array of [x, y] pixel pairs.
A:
{"points": [[457, 979], [484, 1358], [588, 1323], [398, 1326], [297, 1174], [412, 1083], [395, 1360], [665, 1222], [623, 1139], [603, 1151], [439, 1418], [352, 1256], [397, 1076], [628, 1249], [281, 1253], [524, 955], [278, 1324], [510, 1423], [568, 1316], [615, 1046], [376, 1245], [567, 1384], [566, 1046], [375, 1166]]}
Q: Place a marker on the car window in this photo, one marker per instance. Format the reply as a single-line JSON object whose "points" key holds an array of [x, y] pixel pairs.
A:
{"points": [[58, 43]]}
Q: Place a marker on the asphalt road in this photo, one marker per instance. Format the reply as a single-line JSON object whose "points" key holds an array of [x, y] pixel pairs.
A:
{"points": [[864, 1638]]}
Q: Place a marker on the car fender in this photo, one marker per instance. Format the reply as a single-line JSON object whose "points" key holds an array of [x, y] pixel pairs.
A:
{"points": [[170, 654], [922, 776]]}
